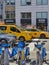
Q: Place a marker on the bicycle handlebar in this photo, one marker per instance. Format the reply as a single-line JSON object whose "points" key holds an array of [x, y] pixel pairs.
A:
{"points": [[37, 41]]}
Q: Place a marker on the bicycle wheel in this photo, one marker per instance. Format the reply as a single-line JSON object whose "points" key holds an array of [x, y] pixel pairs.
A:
{"points": [[39, 59], [0, 59]]}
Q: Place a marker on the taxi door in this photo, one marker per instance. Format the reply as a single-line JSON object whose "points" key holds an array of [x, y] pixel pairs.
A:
{"points": [[35, 33], [15, 31]]}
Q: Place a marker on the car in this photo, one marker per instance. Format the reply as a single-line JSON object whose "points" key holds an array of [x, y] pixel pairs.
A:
{"points": [[8, 38], [21, 34], [36, 33]]}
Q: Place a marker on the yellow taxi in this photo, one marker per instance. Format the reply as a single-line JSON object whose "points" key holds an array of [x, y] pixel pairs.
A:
{"points": [[36, 33], [17, 31]]}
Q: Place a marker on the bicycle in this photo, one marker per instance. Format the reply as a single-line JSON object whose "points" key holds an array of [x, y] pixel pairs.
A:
{"points": [[4, 53], [40, 53], [21, 56]]}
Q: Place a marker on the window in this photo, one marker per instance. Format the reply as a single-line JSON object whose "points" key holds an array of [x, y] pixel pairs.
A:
{"points": [[38, 15], [7, 16], [14, 29], [3, 27], [26, 18], [45, 2], [38, 2], [42, 2], [42, 15], [8, 2], [26, 15], [1, 6], [10, 14], [41, 20], [12, 2], [25, 2], [0, 16], [13, 15], [34, 30]]}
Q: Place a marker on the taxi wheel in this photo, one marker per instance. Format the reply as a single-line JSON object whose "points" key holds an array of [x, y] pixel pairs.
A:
{"points": [[22, 39], [42, 36]]}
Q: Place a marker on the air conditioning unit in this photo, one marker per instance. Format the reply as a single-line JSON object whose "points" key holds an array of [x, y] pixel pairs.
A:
{"points": [[28, 3]]}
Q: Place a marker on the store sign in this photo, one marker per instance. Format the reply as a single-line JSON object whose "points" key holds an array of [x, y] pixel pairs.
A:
{"points": [[25, 21], [40, 21], [9, 21]]}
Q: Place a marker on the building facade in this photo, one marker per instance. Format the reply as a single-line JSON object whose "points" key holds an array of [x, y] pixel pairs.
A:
{"points": [[9, 11], [1, 10], [32, 12]]}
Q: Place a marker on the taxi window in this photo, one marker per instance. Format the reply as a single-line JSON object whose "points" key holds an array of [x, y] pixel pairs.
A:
{"points": [[3, 27], [31, 30], [14, 29]]}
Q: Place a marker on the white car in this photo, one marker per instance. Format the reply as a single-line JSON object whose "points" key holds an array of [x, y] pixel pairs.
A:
{"points": [[7, 37]]}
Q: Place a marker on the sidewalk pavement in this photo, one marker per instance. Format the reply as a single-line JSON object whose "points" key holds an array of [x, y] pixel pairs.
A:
{"points": [[26, 64], [33, 53]]}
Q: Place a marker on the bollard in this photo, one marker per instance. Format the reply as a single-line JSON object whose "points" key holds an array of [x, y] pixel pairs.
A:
{"points": [[4, 57]]}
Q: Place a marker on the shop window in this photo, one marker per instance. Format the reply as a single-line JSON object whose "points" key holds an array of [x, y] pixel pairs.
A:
{"points": [[13, 15], [7, 16], [10, 14], [42, 20], [26, 18], [26, 15]]}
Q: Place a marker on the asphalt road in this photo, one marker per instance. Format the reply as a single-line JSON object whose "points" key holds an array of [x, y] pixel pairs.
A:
{"points": [[33, 53]]}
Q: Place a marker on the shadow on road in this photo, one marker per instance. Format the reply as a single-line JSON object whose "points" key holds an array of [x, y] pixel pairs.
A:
{"points": [[28, 61], [47, 63], [33, 63]]}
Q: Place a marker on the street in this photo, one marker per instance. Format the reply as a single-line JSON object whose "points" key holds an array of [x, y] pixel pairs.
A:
{"points": [[33, 54], [21, 22]]}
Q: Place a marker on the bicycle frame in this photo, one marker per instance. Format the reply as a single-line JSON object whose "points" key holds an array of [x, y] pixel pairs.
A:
{"points": [[41, 52]]}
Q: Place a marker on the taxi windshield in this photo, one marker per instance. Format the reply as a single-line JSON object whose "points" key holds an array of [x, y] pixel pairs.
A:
{"points": [[21, 28], [33, 29]]}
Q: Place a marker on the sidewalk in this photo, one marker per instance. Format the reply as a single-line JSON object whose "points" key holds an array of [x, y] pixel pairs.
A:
{"points": [[17, 64], [26, 64]]}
